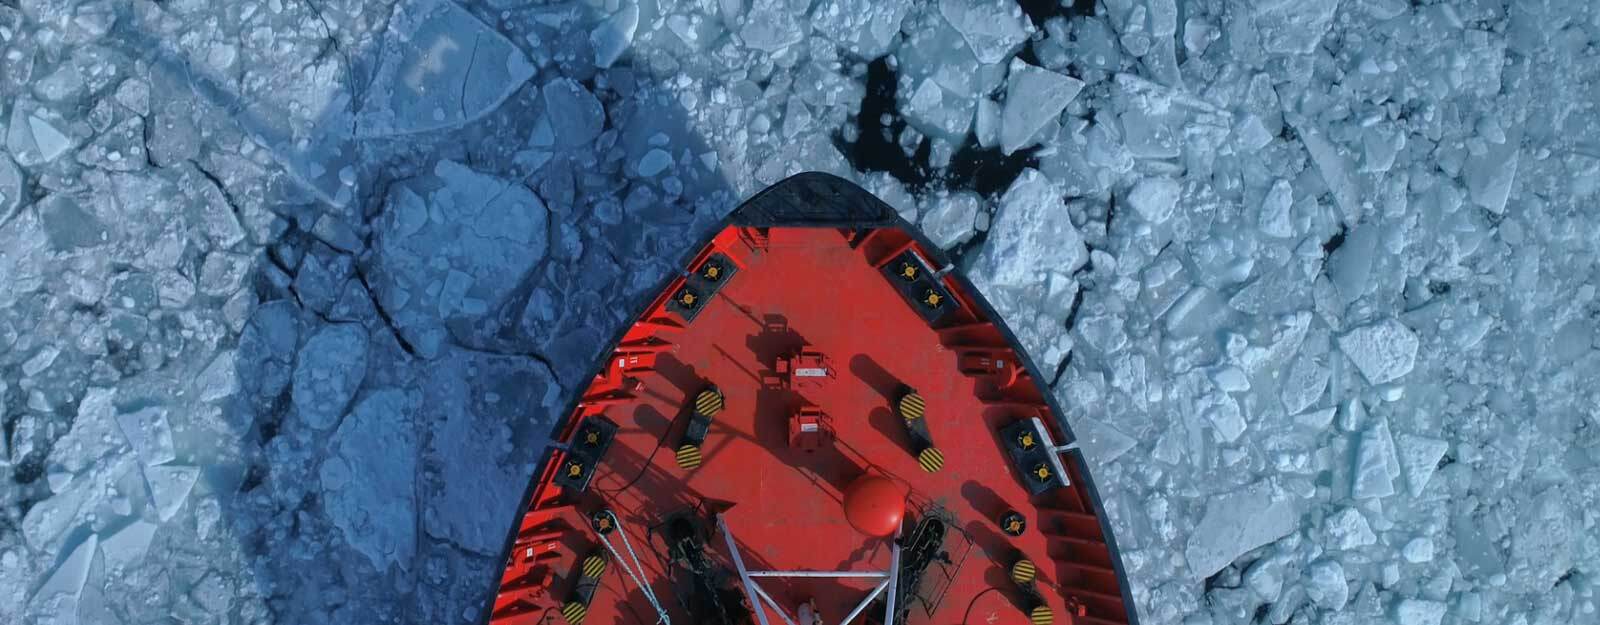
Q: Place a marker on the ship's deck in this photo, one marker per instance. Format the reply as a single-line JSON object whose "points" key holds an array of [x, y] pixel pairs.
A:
{"points": [[809, 287]]}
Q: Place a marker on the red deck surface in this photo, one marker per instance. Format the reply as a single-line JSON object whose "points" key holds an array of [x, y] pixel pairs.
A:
{"points": [[810, 287]]}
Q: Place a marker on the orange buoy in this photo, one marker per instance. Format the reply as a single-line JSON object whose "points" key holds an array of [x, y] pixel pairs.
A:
{"points": [[874, 505]]}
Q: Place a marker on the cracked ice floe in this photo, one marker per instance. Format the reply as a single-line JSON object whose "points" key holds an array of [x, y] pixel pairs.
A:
{"points": [[440, 67], [994, 29], [453, 245], [1034, 97], [368, 481], [330, 367], [1027, 263], [1238, 522], [480, 460], [1383, 351]]}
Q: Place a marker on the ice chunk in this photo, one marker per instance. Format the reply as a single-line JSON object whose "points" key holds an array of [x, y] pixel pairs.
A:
{"points": [[654, 162], [1293, 26], [1034, 97], [169, 487], [987, 126], [126, 548], [1274, 218], [1304, 384], [950, 221], [574, 113], [65, 585], [1347, 529], [1489, 175], [1316, 419], [1326, 585], [149, 435], [330, 367], [1100, 441], [1419, 458], [1198, 311], [1418, 612], [1032, 233], [1350, 266], [865, 27], [1417, 550], [368, 481], [771, 26], [1265, 578], [1235, 523], [40, 361], [613, 36], [994, 29], [1226, 418], [1376, 465], [440, 68], [1251, 133], [1334, 165], [1154, 198], [1543, 539], [10, 188], [935, 112], [1383, 351], [34, 138], [1230, 379]]}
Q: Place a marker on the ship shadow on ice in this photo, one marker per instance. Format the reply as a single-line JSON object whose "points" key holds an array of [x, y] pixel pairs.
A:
{"points": [[456, 232]]}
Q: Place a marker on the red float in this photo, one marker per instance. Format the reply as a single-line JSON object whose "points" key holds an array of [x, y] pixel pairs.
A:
{"points": [[874, 505]]}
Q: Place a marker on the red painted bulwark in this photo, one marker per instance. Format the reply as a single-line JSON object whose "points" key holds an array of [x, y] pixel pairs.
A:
{"points": [[813, 300]]}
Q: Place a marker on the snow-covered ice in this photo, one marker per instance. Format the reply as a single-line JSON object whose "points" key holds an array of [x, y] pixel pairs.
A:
{"points": [[1383, 351]]}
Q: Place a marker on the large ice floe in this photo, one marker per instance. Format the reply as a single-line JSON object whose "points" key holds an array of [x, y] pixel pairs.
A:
{"points": [[290, 292]]}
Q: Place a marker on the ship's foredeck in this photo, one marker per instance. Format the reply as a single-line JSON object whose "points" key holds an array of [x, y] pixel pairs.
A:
{"points": [[809, 324], [810, 288]]}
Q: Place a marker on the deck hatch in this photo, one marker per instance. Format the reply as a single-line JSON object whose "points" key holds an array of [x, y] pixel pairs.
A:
{"points": [[916, 282]]}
